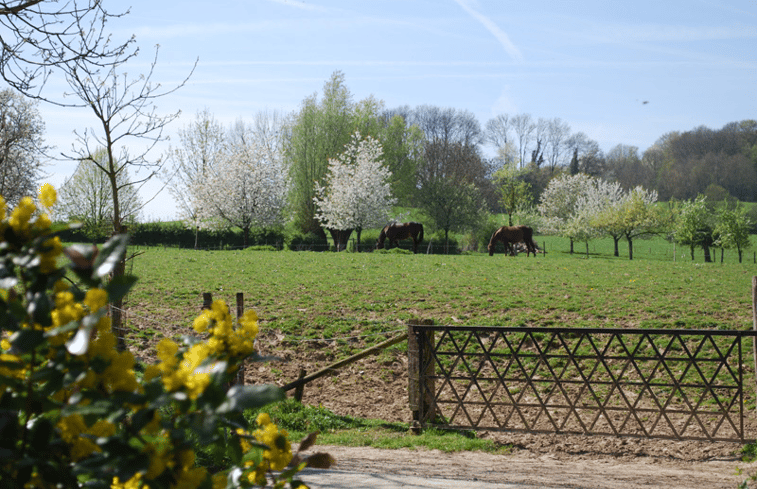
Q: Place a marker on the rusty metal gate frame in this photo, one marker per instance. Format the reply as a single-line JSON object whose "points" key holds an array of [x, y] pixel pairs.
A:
{"points": [[652, 383]]}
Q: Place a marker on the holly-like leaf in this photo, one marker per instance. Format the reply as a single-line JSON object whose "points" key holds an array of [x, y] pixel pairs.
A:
{"points": [[119, 286], [110, 255], [239, 398]]}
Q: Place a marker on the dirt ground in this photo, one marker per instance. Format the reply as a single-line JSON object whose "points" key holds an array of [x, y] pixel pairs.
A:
{"points": [[376, 387]]}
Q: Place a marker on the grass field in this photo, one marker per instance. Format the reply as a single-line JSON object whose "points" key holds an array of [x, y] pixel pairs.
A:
{"points": [[355, 299], [315, 295]]}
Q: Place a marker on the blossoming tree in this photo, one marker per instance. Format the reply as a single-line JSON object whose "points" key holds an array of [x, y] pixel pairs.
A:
{"points": [[246, 188], [558, 202], [357, 193]]}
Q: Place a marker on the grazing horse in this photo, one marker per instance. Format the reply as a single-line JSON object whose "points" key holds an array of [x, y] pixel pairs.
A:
{"points": [[395, 232], [511, 235]]}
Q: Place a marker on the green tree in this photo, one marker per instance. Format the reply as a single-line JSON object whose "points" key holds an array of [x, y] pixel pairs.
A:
{"points": [[452, 206], [403, 149], [319, 131], [573, 168], [635, 215], [693, 225], [732, 229], [514, 192]]}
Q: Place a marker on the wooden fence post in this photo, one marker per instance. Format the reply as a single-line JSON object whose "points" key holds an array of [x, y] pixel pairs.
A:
{"points": [[417, 403]]}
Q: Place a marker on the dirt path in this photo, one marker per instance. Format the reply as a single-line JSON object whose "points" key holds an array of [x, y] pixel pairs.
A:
{"points": [[542, 470]]}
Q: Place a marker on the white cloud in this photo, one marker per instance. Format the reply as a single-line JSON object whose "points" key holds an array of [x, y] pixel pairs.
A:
{"points": [[493, 28]]}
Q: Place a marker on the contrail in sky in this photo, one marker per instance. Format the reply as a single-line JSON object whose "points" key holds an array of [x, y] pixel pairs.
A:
{"points": [[501, 36]]}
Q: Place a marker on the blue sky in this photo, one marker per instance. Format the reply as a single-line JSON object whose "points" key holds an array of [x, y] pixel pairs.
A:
{"points": [[591, 63]]}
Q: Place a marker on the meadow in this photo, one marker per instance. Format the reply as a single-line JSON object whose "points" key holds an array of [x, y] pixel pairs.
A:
{"points": [[318, 307], [328, 295]]}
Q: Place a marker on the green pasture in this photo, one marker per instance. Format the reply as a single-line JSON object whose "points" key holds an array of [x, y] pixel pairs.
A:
{"points": [[328, 295], [356, 300]]}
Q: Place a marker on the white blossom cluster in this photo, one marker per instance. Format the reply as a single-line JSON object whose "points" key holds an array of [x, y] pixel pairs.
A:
{"points": [[245, 188], [356, 193], [582, 207]]}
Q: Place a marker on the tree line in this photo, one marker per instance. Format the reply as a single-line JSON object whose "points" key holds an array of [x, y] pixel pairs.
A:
{"points": [[262, 172]]}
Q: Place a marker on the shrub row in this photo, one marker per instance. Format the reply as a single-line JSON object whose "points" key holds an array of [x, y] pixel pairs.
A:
{"points": [[176, 235]]}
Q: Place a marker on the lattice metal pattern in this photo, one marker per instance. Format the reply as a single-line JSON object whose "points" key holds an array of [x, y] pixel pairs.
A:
{"points": [[679, 384]]}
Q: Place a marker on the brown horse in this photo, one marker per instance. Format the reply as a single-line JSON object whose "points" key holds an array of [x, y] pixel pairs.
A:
{"points": [[511, 235], [395, 232]]}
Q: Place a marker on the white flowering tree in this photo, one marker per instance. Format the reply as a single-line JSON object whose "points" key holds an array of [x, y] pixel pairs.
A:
{"points": [[356, 193], [201, 144], [599, 205], [558, 203], [246, 188]]}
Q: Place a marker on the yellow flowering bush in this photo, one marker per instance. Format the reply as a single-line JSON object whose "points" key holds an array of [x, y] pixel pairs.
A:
{"points": [[76, 412]]}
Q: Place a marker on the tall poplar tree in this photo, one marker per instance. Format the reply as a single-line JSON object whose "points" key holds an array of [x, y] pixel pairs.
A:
{"points": [[319, 131]]}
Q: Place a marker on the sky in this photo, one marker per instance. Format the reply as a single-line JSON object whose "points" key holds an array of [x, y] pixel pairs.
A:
{"points": [[620, 72]]}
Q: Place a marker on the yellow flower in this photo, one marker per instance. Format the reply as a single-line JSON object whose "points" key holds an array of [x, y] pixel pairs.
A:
{"points": [[96, 299], [279, 452], [17, 369], [49, 258], [21, 215], [202, 322], [47, 195], [219, 480], [132, 483]]}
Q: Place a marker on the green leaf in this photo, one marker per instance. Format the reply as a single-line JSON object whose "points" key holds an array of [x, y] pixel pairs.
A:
{"points": [[41, 432], [244, 397], [119, 286], [110, 255], [26, 340]]}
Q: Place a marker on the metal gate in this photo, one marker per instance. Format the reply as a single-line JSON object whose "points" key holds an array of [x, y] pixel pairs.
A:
{"points": [[676, 384]]}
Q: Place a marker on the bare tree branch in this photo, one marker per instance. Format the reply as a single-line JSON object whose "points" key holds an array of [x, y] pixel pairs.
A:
{"points": [[38, 36]]}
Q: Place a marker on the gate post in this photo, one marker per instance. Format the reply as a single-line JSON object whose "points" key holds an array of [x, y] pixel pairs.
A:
{"points": [[420, 388]]}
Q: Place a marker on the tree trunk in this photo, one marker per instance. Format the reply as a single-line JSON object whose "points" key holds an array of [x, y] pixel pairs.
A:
{"points": [[707, 256], [197, 234], [571, 246], [630, 248], [616, 239], [359, 230], [246, 235]]}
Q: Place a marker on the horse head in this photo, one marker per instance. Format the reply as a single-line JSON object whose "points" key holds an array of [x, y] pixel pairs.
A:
{"points": [[381, 238]]}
